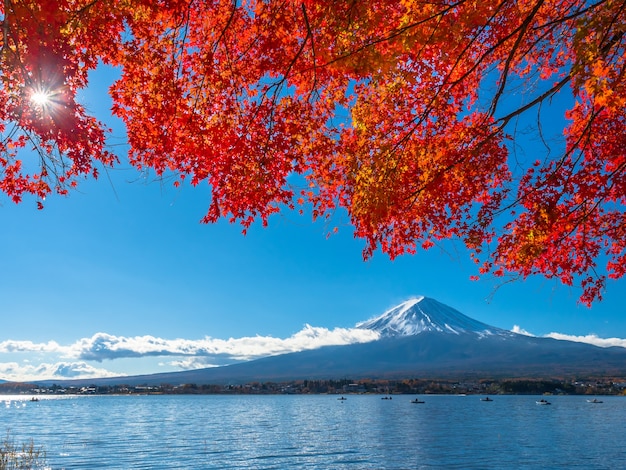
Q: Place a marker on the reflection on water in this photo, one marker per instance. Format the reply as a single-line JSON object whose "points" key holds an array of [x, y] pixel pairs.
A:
{"points": [[362, 432]]}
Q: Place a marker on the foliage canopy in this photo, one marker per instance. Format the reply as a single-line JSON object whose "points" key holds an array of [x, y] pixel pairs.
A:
{"points": [[401, 112]]}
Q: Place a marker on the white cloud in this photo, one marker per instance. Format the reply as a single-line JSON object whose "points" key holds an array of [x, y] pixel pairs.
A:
{"points": [[103, 346], [11, 346], [26, 372], [190, 363], [590, 339], [520, 331]]}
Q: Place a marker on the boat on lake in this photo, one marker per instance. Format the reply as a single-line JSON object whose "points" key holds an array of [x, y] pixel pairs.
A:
{"points": [[342, 398], [486, 399], [543, 402], [417, 400], [595, 400]]}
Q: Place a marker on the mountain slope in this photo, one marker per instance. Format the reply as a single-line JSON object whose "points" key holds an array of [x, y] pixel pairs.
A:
{"points": [[430, 354], [419, 338]]}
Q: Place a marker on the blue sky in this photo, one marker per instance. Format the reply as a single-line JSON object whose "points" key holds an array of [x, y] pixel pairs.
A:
{"points": [[121, 278]]}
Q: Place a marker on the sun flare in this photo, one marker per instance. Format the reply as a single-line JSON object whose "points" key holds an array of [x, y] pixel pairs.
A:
{"points": [[40, 98]]}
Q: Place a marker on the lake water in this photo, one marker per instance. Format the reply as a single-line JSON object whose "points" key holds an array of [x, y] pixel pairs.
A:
{"points": [[319, 432]]}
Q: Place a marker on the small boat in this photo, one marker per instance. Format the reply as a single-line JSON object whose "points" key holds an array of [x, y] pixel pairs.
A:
{"points": [[417, 400], [486, 399], [342, 398], [595, 400], [385, 398], [543, 402], [34, 399]]}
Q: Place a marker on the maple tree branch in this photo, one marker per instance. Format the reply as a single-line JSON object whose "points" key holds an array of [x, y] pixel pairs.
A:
{"points": [[5, 26], [226, 26], [584, 135], [277, 86], [392, 34], [8, 137], [85, 8], [507, 65], [552, 91], [309, 34], [430, 106], [588, 211], [299, 52], [473, 40], [185, 28], [566, 18], [505, 119], [420, 119], [213, 50]]}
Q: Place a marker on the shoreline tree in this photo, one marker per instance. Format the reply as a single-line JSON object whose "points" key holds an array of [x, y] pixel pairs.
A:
{"points": [[402, 113]]}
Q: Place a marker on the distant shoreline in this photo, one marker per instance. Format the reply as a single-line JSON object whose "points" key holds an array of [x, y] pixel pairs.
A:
{"points": [[515, 386]]}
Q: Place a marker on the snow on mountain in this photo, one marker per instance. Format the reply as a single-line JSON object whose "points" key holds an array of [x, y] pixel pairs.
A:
{"points": [[422, 314]]}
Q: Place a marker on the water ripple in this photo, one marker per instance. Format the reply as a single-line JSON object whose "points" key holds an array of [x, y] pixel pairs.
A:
{"points": [[277, 432]]}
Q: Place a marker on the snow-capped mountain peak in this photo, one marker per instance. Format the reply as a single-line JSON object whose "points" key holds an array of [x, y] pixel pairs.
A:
{"points": [[422, 314]]}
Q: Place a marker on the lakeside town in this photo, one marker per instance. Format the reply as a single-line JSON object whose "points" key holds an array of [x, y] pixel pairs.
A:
{"points": [[589, 386]]}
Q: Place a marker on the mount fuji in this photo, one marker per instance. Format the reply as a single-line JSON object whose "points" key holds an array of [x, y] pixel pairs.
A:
{"points": [[421, 315], [419, 338]]}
